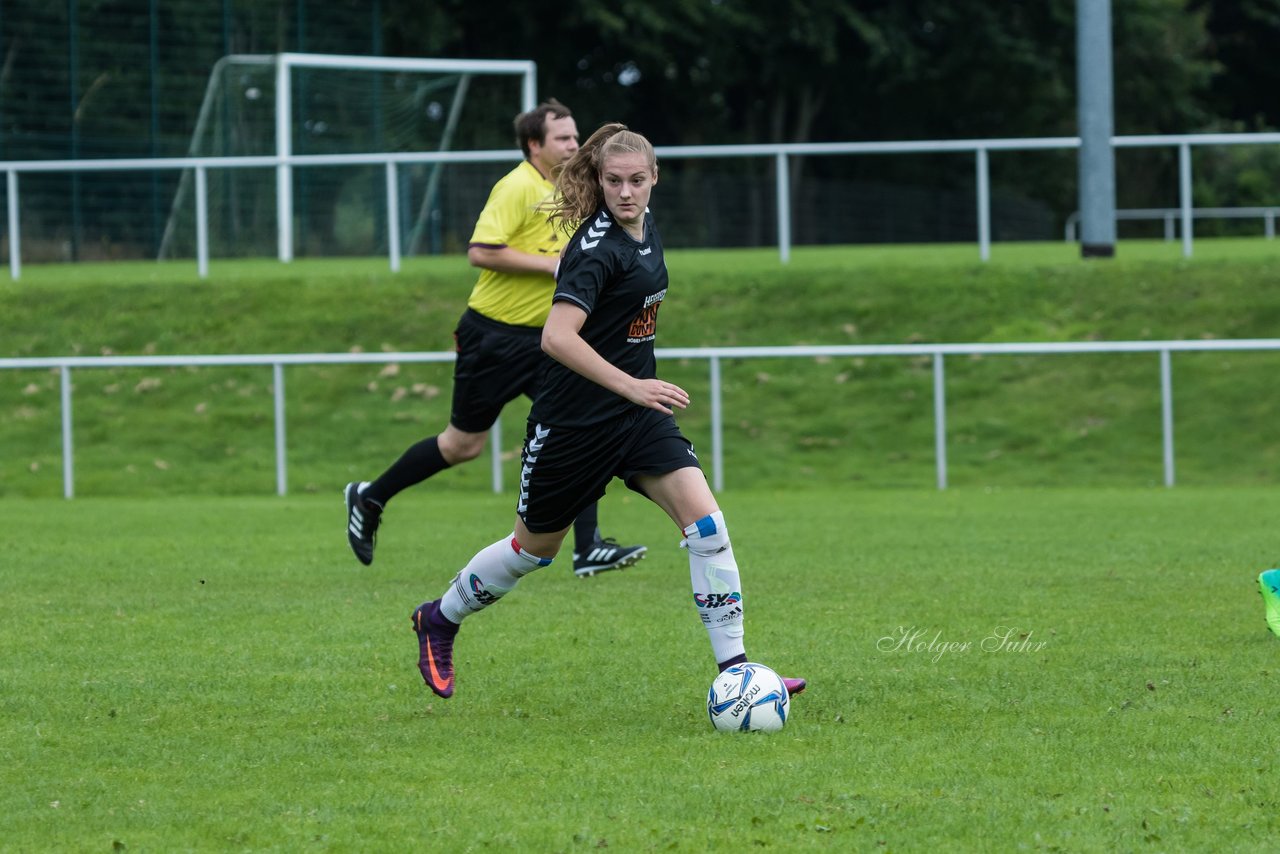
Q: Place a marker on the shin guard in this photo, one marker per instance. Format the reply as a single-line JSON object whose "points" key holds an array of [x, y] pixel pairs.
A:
{"points": [[717, 590]]}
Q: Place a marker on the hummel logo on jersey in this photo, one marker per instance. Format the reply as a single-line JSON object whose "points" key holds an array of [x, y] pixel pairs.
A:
{"points": [[646, 250], [602, 225]]}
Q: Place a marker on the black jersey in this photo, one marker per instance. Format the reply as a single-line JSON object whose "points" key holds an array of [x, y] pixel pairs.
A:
{"points": [[620, 283]]}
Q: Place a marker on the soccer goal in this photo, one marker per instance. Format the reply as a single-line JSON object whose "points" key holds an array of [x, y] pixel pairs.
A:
{"points": [[317, 106]]}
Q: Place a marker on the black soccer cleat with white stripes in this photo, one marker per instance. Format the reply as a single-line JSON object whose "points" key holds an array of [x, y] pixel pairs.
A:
{"points": [[604, 555], [363, 518]]}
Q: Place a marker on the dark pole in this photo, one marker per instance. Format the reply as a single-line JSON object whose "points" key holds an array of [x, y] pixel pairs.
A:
{"points": [[73, 76], [157, 214], [380, 225], [2, 124], [1097, 124], [300, 207], [226, 179]]}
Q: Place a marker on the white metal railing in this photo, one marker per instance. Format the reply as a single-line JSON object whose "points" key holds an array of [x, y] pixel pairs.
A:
{"points": [[1171, 216], [714, 356], [781, 152]]}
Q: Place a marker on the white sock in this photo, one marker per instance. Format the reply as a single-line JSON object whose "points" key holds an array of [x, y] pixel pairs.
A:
{"points": [[717, 590], [488, 577]]}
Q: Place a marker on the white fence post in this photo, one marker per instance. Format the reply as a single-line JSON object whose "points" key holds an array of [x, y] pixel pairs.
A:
{"points": [[393, 218], [984, 206], [495, 447], [1184, 192], [1166, 414], [782, 183], [940, 419], [68, 451], [15, 243], [284, 169], [202, 222], [717, 427], [282, 475]]}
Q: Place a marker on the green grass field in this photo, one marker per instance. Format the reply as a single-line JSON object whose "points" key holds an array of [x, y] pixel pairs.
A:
{"points": [[1071, 670], [1053, 654]]}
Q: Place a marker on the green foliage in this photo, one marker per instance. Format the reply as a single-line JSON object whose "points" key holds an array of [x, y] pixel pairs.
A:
{"points": [[1162, 74], [1069, 670], [1242, 37], [1026, 420]]}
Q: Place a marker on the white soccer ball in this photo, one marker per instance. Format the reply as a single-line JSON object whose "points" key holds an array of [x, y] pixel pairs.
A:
{"points": [[748, 698]]}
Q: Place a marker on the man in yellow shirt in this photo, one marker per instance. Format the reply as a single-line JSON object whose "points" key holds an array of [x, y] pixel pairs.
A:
{"points": [[498, 338]]}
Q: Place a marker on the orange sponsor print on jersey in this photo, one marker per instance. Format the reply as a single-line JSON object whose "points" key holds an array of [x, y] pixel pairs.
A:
{"points": [[645, 326]]}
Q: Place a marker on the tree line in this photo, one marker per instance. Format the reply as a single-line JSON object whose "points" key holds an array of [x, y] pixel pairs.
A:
{"points": [[724, 71], [731, 71]]}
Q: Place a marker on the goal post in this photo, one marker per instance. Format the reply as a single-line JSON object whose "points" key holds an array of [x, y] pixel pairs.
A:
{"points": [[291, 105], [287, 62]]}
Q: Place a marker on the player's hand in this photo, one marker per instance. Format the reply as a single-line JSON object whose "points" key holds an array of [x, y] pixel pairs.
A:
{"points": [[658, 394]]}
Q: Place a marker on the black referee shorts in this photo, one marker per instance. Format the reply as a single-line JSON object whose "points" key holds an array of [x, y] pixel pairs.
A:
{"points": [[497, 362], [565, 469]]}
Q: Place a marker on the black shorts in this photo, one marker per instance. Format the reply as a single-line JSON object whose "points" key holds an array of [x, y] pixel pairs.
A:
{"points": [[565, 469], [497, 362]]}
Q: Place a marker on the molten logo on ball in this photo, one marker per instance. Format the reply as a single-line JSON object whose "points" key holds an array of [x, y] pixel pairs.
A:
{"points": [[749, 698]]}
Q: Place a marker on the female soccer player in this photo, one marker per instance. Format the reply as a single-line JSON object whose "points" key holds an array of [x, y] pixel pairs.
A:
{"points": [[602, 412]]}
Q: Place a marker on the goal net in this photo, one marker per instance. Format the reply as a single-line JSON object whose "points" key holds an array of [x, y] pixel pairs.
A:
{"points": [[309, 104]]}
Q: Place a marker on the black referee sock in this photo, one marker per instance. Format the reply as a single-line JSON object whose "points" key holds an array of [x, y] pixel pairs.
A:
{"points": [[415, 465], [586, 529]]}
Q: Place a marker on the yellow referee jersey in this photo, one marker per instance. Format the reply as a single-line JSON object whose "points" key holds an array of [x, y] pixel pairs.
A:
{"points": [[511, 218]]}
